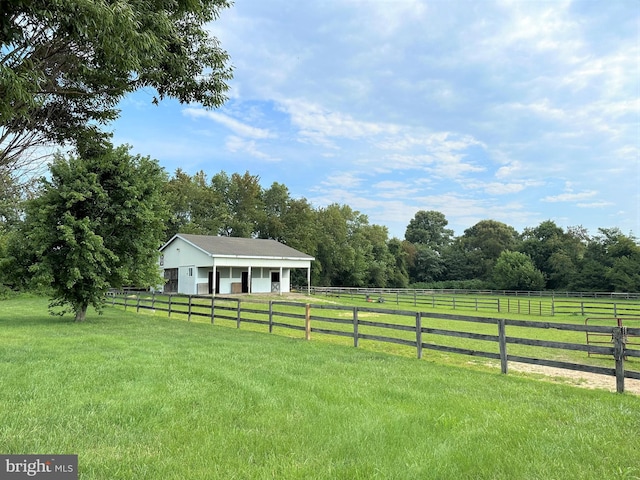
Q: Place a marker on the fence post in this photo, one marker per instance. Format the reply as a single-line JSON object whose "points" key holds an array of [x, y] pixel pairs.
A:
{"points": [[355, 327], [419, 334], [502, 339], [138, 304], [270, 316], [125, 302], [189, 310], [307, 322], [213, 308], [238, 315], [498, 305], [170, 298], [153, 302], [618, 354]]}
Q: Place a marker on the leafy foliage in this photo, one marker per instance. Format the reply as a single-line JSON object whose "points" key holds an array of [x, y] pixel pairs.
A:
{"points": [[97, 224], [516, 271], [65, 64]]}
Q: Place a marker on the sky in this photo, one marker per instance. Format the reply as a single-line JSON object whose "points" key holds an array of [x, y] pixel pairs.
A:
{"points": [[516, 111]]}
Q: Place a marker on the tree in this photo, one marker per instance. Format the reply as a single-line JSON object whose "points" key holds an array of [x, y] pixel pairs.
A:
{"points": [[276, 202], [10, 201], [399, 270], [428, 228], [611, 263], [244, 205], [65, 64], [97, 224], [427, 265], [516, 271], [485, 241], [194, 205], [554, 252]]}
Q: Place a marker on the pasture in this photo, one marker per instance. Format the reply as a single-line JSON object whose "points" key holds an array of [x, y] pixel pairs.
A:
{"points": [[147, 397], [569, 342]]}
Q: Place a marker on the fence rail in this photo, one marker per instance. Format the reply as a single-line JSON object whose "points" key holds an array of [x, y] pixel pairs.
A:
{"points": [[504, 301], [419, 330], [460, 291]]}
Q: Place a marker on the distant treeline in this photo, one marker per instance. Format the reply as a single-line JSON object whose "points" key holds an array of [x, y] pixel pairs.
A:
{"points": [[349, 251]]}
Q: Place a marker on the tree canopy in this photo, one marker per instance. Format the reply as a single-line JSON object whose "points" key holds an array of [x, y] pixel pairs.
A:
{"points": [[428, 228], [350, 251], [65, 64], [97, 224]]}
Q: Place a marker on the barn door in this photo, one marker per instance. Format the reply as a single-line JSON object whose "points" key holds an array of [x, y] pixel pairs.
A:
{"points": [[171, 280], [245, 282]]}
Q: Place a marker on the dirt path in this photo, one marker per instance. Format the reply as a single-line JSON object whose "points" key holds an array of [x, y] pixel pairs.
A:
{"points": [[578, 379]]}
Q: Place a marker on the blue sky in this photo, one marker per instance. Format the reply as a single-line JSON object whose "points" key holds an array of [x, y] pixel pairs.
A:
{"points": [[517, 111]]}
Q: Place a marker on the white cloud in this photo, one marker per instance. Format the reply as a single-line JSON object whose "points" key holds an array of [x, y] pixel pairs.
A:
{"points": [[317, 123], [595, 205], [570, 196], [232, 124], [479, 110], [237, 144], [342, 180], [497, 188]]}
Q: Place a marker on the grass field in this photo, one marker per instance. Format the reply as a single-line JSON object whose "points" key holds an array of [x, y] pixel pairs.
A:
{"points": [[146, 397], [253, 304]]}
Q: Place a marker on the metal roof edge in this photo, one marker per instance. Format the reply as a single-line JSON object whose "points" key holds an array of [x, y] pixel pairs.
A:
{"points": [[177, 235]]}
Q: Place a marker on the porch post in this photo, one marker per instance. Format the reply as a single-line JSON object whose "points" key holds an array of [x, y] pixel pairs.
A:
{"points": [[250, 279], [213, 277], [280, 288], [309, 280]]}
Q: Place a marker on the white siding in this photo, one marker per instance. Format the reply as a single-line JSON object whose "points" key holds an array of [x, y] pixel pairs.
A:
{"points": [[184, 256], [181, 253]]}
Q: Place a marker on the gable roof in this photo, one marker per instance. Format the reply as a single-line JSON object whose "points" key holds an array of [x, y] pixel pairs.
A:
{"points": [[240, 247]]}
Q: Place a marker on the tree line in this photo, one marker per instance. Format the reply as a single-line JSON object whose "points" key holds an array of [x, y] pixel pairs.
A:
{"points": [[350, 251], [98, 220]]}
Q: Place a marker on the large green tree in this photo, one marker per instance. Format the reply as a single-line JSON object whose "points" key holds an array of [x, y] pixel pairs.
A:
{"points": [[554, 252], [428, 228], [516, 271], [195, 205], [97, 224], [484, 242], [65, 64], [611, 263]]}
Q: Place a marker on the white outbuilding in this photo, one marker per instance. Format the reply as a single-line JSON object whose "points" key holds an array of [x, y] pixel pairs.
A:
{"points": [[203, 264]]}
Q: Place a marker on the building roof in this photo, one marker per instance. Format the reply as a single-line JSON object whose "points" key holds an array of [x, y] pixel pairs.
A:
{"points": [[240, 247]]}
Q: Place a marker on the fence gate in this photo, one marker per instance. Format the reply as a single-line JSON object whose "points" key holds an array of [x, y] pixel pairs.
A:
{"points": [[596, 338]]}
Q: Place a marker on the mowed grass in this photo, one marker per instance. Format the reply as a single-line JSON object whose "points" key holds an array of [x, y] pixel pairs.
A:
{"points": [[145, 397], [201, 309]]}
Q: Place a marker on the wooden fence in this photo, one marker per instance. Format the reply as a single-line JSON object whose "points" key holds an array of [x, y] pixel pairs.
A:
{"points": [[419, 330], [523, 303]]}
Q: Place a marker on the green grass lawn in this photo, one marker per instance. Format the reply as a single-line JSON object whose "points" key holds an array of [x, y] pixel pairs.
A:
{"points": [[258, 303], [146, 397]]}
